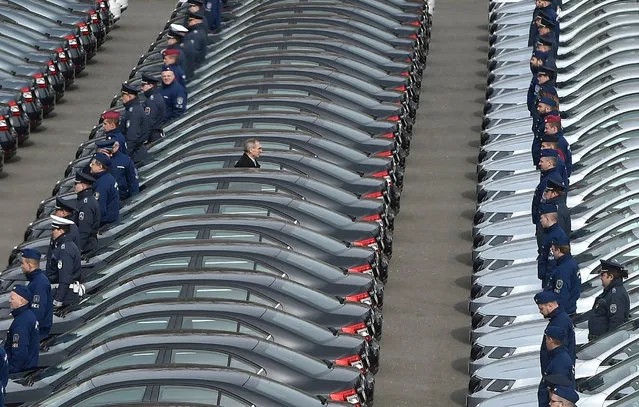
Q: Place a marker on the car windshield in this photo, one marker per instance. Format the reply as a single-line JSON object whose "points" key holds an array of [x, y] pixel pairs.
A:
{"points": [[308, 296], [606, 247], [604, 219], [602, 156], [611, 377], [594, 134], [595, 349], [301, 327], [294, 359], [608, 174], [601, 197]]}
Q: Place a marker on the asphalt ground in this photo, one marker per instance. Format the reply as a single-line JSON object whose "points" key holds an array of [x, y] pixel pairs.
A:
{"points": [[30, 177], [425, 346]]}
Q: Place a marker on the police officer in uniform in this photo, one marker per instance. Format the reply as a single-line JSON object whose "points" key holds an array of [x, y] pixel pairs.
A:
{"points": [[197, 35], [174, 95], [612, 307], [552, 126], [122, 169], [551, 232], [4, 374], [175, 40], [64, 267], [111, 124], [154, 106], [65, 207], [134, 125], [555, 194], [559, 362], [197, 6], [88, 212], [565, 279], [548, 166], [105, 189], [564, 396], [557, 316], [171, 61], [213, 13], [40, 287], [23, 338]]}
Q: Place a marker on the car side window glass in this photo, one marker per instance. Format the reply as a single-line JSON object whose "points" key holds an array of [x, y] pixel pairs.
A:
{"points": [[238, 363], [275, 108], [625, 390], [115, 396], [209, 324], [273, 126], [228, 401], [199, 357], [210, 165], [189, 210], [151, 294], [204, 187], [287, 92], [141, 325], [227, 262], [171, 262], [226, 145], [251, 186], [234, 235], [225, 293], [168, 238], [224, 127], [242, 92], [248, 330], [188, 394], [272, 145], [122, 360], [232, 109], [242, 210], [271, 166], [259, 299]]}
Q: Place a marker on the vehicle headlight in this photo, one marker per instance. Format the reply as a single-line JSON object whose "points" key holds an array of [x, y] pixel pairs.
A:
{"points": [[477, 352], [501, 321], [499, 292], [478, 320], [499, 386]]}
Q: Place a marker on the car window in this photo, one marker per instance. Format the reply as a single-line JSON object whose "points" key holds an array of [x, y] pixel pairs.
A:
{"points": [[231, 293], [273, 145], [242, 92], [251, 210], [185, 211], [204, 187], [150, 294], [128, 359], [171, 262], [205, 357], [115, 396], [251, 186], [164, 238], [226, 145], [228, 401], [595, 349], [225, 127], [220, 324], [228, 262], [242, 236], [608, 378], [276, 108], [138, 325], [202, 166], [626, 352], [298, 62], [287, 92], [232, 109], [187, 394], [273, 126], [625, 390]]}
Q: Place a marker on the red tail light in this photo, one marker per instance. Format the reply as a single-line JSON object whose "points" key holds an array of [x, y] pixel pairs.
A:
{"points": [[415, 23], [366, 269], [94, 17], [39, 78], [83, 28], [393, 119], [357, 329], [380, 174], [374, 195], [102, 4], [73, 41], [365, 242], [405, 73], [27, 95], [15, 109], [349, 396], [385, 154], [401, 88], [374, 218], [413, 36], [51, 67], [363, 298], [388, 135], [3, 124], [354, 361], [61, 54]]}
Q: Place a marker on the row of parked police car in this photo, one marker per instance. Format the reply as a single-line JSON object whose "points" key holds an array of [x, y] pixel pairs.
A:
{"points": [[598, 92], [45, 44], [250, 286]]}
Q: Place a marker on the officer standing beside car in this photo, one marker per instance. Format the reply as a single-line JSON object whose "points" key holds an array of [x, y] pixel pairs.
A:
{"points": [[87, 216], [64, 266], [175, 40], [122, 169], [105, 189], [23, 337], [65, 207], [612, 307], [4, 374], [111, 124], [559, 362], [548, 166], [551, 232], [154, 106], [174, 95], [565, 279], [171, 61], [550, 309], [134, 125], [555, 194], [197, 6], [197, 35], [40, 287]]}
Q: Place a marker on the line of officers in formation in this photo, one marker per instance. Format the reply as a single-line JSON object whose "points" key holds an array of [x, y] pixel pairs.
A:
{"points": [[556, 268], [110, 178]]}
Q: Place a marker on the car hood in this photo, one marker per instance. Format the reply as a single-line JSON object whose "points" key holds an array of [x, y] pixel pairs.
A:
{"points": [[520, 142], [512, 162], [515, 226], [518, 111], [511, 82], [517, 203], [518, 126], [509, 97], [510, 276], [524, 397], [511, 306], [522, 366], [515, 250], [514, 183], [522, 335]]}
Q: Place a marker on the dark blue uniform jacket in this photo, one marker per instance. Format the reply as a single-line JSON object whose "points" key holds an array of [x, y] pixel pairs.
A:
{"points": [[611, 309], [155, 109], [545, 260], [125, 174], [23, 340], [64, 268], [108, 196], [42, 303], [87, 217], [175, 100], [565, 281], [559, 363], [559, 318]]}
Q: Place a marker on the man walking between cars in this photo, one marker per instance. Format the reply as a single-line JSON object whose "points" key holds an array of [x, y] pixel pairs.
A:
{"points": [[252, 151], [612, 307], [559, 362], [40, 287], [105, 189], [154, 106], [64, 266], [134, 125], [23, 337], [87, 215]]}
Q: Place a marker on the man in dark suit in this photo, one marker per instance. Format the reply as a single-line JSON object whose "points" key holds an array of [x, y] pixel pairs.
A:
{"points": [[252, 151]]}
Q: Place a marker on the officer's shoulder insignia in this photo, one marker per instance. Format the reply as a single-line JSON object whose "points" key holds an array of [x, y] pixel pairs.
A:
{"points": [[59, 264], [63, 246], [96, 195], [36, 298], [128, 123], [131, 109], [559, 284], [86, 200], [16, 340], [147, 110], [613, 308], [614, 290], [81, 216], [152, 97], [180, 100]]}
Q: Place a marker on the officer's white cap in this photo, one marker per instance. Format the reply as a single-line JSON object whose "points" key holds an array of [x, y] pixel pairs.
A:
{"points": [[179, 28], [57, 221]]}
